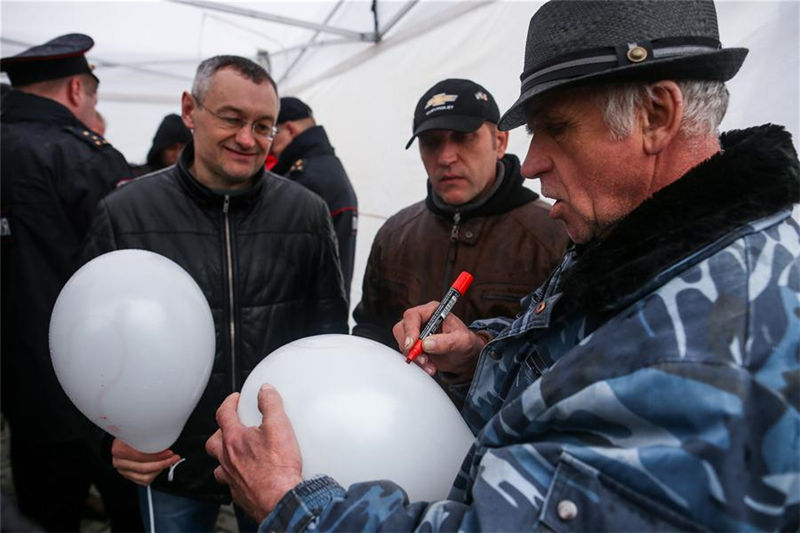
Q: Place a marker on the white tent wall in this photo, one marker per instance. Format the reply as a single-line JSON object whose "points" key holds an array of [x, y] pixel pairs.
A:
{"points": [[364, 93]]}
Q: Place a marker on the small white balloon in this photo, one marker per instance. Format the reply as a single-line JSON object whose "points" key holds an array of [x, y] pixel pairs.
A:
{"points": [[360, 414], [132, 343]]}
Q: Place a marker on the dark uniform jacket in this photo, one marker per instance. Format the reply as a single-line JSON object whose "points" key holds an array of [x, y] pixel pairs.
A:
{"points": [[310, 160], [508, 242], [53, 171], [272, 246]]}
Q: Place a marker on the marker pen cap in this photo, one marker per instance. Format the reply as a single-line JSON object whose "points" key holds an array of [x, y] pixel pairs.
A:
{"points": [[462, 283]]}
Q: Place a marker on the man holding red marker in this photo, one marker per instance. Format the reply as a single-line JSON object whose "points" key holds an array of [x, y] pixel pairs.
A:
{"points": [[650, 384], [477, 217]]}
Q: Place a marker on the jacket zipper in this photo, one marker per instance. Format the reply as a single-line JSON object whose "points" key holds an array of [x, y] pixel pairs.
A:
{"points": [[231, 312], [453, 251]]}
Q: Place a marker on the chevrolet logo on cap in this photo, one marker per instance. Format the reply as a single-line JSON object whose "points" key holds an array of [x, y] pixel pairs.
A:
{"points": [[440, 99]]}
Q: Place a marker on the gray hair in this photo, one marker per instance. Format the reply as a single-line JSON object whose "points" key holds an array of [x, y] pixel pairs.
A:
{"points": [[704, 106], [247, 68]]}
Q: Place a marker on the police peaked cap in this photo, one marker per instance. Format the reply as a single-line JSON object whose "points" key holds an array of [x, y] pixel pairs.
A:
{"points": [[57, 58]]}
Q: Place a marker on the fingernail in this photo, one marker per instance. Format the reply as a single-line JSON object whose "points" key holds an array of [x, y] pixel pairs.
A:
{"points": [[422, 359], [407, 344], [430, 371], [428, 345], [266, 386]]}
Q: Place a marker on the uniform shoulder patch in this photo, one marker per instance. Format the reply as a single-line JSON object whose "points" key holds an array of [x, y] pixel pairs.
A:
{"points": [[88, 136], [297, 166]]}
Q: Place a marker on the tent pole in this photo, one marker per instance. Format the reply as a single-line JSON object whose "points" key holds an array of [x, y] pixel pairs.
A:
{"points": [[355, 35]]}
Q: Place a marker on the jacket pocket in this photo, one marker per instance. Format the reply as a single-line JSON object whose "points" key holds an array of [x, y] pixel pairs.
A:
{"points": [[581, 498]]}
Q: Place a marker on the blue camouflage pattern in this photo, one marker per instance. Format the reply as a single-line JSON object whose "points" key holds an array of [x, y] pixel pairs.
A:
{"points": [[679, 413]]}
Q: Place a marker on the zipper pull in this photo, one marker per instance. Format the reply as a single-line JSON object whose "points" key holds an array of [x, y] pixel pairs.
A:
{"points": [[456, 222], [226, 204]]}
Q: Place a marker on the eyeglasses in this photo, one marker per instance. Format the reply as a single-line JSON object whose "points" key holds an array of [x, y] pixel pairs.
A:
{"points": [[261, 129]]}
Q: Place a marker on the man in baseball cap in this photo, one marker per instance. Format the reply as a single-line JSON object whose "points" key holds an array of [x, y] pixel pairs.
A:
{"points": [[54, 171], [475, 197], [650, 384]]}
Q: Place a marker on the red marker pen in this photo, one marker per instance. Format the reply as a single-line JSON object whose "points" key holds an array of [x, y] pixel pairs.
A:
{"points": [[459, 287]]}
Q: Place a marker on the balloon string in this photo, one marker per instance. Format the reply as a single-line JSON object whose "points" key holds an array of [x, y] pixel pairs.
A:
{"points": [[150, 509], [172, 469]]}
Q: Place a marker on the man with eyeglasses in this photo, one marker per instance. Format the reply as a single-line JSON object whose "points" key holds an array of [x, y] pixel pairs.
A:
{"points": [[261, 247]]}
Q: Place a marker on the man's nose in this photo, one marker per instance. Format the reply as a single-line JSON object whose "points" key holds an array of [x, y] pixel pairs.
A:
{"points": [[245, 137], [448, 153], [536, 161]]}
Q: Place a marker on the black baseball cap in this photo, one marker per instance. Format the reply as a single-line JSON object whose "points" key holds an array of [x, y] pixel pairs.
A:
{"points": [[57, 58], [293, 109], [454, 104]]}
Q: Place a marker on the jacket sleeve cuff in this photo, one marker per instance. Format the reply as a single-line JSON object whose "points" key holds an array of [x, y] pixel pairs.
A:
{"points": [[299, 509]]}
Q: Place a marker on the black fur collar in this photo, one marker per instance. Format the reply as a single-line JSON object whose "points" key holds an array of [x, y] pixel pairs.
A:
{"points": [[755, 175]]}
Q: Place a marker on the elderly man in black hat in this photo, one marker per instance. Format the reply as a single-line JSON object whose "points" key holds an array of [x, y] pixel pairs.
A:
{"points": [[54, 171], [305, 155], [651, 382]]}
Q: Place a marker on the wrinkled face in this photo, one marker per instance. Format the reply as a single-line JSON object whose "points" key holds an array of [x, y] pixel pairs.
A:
{"points": [[594, 179], [226, 156], [462, 165]]}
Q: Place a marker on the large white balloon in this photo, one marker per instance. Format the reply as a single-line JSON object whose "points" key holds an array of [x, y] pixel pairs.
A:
{"points": [[132, 342], [360, 413]]}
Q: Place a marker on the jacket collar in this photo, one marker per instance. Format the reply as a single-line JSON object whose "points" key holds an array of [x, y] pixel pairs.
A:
{"points": [[19, 106], [508, 195], [312, 140], [210, 197], [755, 175]]}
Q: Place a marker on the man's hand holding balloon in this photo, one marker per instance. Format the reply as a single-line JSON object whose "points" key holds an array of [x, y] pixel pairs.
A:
{"points": [[260, 464]]}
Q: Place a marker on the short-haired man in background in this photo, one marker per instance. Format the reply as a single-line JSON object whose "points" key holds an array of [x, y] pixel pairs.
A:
{"points": [[477, 217], [259, 246], [651, 382], [305, 155]]}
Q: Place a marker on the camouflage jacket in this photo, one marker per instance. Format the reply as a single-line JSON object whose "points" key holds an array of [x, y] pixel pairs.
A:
{"points": [[651, 383]]}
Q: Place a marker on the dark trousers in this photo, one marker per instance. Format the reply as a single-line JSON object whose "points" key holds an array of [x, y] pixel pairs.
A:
{"points": [[52, 482]]}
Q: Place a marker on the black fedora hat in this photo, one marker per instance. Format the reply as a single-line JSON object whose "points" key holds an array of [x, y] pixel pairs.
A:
{"points": [[573, 43]]}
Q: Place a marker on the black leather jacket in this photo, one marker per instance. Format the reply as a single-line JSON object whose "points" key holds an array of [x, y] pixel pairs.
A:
{"points": [[311, 161], [283, 270], [53, 171]]}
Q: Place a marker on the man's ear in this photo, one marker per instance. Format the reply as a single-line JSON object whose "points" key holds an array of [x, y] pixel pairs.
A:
{"points": [[75, 91], [188, 105], [661, 116], [501, 138]]}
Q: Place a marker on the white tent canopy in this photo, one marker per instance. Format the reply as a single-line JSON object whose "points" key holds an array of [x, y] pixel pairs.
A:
{"points": [[362, 88]]}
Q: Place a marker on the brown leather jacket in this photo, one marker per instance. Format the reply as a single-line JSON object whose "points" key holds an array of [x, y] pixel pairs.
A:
{"points": [[420, 251]]}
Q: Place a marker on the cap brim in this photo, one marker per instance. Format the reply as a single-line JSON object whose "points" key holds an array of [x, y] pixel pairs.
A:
{"points": [[720, 65], [450, 122]]}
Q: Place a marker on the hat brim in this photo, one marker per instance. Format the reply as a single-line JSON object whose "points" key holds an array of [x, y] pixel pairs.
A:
{"points": [[720, 65], [462, 123]]}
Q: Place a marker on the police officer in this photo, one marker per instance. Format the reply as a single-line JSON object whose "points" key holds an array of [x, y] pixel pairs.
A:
{"points": [[54, 171], [305, 155]]}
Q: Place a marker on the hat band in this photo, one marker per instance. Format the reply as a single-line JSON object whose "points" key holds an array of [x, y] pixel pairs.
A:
{"points": [[601, 59]]}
